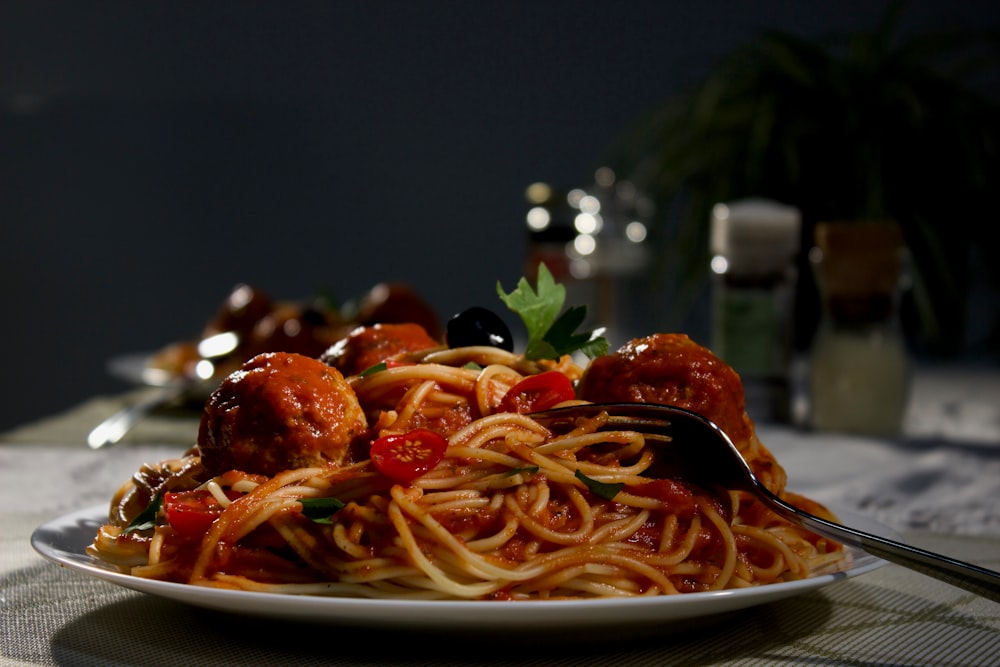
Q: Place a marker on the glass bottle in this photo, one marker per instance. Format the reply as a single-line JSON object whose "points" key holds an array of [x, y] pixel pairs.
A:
{"points": [[859, 364]]}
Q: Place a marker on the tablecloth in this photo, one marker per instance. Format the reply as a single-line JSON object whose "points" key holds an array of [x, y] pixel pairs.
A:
{"points": [[938, 486]]}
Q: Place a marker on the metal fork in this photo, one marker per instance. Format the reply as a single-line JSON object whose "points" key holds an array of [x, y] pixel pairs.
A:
{"points": [[704, 454]]}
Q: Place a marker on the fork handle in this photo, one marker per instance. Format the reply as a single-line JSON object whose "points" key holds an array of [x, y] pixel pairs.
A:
{"points": [[972, 578]]}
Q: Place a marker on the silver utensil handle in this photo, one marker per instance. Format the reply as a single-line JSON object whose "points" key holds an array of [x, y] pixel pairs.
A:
{"points": [[966, 576], [113, 429]]}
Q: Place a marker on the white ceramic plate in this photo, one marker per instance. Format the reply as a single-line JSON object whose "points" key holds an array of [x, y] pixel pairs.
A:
{"points": [[64, 541]]}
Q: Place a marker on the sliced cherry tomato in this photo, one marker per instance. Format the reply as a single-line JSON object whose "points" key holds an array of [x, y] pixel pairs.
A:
{"points": [[191, 513], [404, 457], [538, 392]]}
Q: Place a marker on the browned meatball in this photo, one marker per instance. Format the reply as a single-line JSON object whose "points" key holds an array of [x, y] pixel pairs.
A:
{"points": [[277, 412], [397, 303], [673, 370], [367, 346], [291, 327]]}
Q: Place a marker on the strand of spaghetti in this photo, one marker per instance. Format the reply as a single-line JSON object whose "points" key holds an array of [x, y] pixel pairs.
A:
{"points": [[468, 505], [438, 402], [627, 474], [498, 539], [599, 580], [827, 562], [728, 541], [327, 588], [236, 516], [764, 538], [485, 455], [433, 573], [445, 497], [475, 563], [155, 548], [162, 570], [302, 541], [575, 442], [349, 546], [377, 384], [602, 580], [484, 355], [469, 478], [496, 427], [535, 527], [621, 529], [488, 481], [535, 497], [637, 501], [374, 569], [492, 385], [753, 567], [413, 399], [606, 554], [674, 547]]}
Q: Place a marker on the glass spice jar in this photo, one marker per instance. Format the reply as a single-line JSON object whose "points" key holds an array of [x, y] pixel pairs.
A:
{"points": [[859, 363]]}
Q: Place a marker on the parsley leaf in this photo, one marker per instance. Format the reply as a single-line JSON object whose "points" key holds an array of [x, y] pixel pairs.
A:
{"points": [[146, 520], [551, 335], [600, 489], [319, 510]]}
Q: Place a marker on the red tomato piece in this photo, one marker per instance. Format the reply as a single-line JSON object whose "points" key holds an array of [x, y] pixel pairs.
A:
{"points": [[191, 513], [538, 392], [404, 457]]}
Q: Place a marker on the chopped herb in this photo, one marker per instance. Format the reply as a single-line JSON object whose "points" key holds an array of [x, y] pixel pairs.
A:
{"points": [[472, 366], [147, 518], [551, 335], [319, 510], [600, 489], [371, 370]]}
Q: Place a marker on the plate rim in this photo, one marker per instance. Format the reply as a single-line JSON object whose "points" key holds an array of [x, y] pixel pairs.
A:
{"points": [[51, 538]]}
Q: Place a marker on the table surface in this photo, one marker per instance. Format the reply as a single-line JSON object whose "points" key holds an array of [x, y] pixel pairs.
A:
{"points": [[938, 486]]}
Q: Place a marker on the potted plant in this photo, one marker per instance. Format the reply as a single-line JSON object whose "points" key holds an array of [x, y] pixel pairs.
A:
{"points": [[865, 126]]}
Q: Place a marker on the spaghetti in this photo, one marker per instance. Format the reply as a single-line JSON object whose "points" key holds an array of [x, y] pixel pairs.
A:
{"points": [[506, 509]]}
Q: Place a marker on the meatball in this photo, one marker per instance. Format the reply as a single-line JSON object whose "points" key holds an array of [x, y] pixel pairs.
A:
{"points": [[277, 412], [366, 346], [673, 370], [397, 303], [295, 328]]}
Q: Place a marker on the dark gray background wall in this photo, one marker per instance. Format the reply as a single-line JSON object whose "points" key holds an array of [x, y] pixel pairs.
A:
{"points": [[154, 154]]}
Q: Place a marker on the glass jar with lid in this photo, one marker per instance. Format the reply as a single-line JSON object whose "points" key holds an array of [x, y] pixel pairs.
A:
{"points": [[859, 363]]}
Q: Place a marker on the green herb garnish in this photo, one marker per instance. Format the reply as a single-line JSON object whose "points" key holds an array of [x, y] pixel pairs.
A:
{"points": [[600, 489], [319, 510], [371, 370], [551, 335], [147, 518]]}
